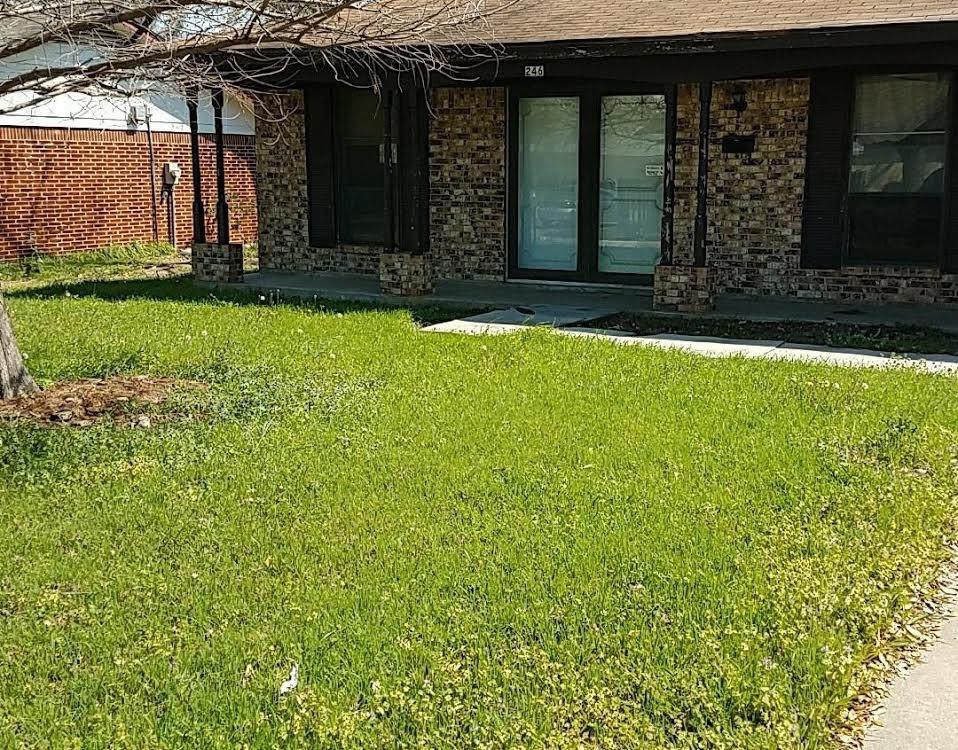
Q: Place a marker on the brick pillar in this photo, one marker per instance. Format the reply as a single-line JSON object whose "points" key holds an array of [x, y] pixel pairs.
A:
{"points": [[218, 264], [687, 289], [405, 274]]}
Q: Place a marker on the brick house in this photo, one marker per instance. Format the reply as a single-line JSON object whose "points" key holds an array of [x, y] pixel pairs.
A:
{"points": [[799, 148], [77, 168]]}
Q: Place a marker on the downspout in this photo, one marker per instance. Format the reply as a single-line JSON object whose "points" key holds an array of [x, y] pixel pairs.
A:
{"points": [[390, 203], [149, 143]]}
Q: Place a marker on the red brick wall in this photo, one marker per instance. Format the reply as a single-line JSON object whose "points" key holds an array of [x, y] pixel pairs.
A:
{"points": [[67, 190]]}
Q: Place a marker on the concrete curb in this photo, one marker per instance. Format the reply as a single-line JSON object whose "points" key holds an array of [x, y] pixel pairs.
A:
{"points": [[717, 347]]}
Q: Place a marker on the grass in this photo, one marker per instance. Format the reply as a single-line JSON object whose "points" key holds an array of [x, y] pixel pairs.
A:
{"points": [[523, 541]]}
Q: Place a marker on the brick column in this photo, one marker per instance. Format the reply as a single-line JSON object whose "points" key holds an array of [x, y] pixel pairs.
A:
{"points": [[218, 264], [405, 274], [686, 289]]}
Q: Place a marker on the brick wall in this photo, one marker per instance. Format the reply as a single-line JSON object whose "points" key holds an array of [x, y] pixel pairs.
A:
{"points": [[283, 198], [756, 204], [756, 200], [467, 181], [755, 211], [67, 190], [686, 172], [467, 170], [281, 186]]}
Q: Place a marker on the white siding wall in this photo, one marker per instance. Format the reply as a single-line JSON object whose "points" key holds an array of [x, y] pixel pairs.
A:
{"points": [[167, 109]]}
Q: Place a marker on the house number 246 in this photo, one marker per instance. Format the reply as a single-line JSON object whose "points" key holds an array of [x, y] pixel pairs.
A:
{"points": [[535, 71]]}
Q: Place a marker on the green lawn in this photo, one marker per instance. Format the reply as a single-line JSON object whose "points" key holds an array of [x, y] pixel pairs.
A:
{"points": [[527, 541]]}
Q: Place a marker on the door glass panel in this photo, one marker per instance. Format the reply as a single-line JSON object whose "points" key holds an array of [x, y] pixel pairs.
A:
{"points": [[631, 184], [549, 183]]}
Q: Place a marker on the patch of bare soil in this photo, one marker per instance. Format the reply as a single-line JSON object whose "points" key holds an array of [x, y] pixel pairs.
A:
{"points": [[167, 269], [123, 400]]}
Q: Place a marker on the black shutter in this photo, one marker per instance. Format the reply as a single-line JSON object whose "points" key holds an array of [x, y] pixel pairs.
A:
{"points": [[413, 170], [826, 175], [319, 166], [951, 186]]}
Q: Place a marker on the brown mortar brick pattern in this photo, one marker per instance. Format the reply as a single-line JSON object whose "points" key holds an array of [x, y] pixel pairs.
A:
{"points": [[467, 170], [73, 190]]}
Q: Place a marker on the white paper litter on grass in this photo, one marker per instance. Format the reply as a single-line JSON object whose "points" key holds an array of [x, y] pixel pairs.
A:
{"points": [[290, 684]]}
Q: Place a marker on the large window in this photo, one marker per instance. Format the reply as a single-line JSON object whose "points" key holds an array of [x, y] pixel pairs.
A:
{"points": [[896, 186], [360, 191]]}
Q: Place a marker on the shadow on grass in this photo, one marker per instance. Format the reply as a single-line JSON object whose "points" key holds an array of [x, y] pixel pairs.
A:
{"points": [[844, 335], [183, 289]]}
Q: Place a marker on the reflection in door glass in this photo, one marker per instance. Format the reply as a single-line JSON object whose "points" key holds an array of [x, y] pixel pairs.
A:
{"points": [[631, 183], [549, 183]]}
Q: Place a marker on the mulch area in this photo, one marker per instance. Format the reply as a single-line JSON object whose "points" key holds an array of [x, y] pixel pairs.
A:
{"points": [[123, 400], [880, 337]]}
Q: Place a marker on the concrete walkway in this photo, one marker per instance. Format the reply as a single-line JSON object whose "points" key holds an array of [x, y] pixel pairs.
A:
{"points": [[512, 321], [921, 712]]}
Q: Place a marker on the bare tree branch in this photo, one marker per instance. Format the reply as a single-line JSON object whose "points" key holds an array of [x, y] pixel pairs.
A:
{"points": [[49, 48]]}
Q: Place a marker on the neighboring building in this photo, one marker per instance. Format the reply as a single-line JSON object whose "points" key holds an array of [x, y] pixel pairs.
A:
{"points": [[799, 147], [76, 169]]}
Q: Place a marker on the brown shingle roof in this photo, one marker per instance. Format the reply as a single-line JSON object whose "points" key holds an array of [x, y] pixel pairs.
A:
{"points": [[558, 20], [475, 23]]}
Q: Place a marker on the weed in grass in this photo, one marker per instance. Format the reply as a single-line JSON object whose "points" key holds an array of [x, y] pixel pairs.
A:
{"points": [[110, 259]]}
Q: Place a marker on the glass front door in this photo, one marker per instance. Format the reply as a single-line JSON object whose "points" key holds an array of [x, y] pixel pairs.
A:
{"points": [[549, 183], [632, 175], [589, 174]]}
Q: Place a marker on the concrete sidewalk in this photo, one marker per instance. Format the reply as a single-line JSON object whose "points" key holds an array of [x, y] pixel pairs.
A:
{"points": [[921, 711], [490, 325]]}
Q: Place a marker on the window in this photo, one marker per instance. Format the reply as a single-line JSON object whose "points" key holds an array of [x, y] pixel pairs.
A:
{"points": [[896, 184], [346, 175], [361, 189]]}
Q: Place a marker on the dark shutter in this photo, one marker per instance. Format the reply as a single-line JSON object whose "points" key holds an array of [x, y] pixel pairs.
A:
{"points": [[826, 175], [951, 187], [413, 172], [319, 166]]}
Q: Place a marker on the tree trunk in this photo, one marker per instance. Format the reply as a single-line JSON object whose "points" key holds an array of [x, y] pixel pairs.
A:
{"points": [[14, 378]]}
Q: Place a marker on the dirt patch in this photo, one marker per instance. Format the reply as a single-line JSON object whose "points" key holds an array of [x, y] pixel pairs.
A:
{"points": [[124, 400]]}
